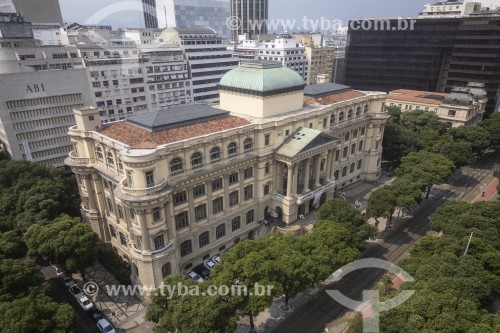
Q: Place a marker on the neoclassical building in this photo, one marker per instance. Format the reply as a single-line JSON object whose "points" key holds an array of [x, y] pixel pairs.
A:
{"points": [[171, 188]]}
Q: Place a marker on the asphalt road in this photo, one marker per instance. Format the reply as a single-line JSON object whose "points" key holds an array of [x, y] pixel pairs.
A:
{"points": [[59, 292], [313, 315]]}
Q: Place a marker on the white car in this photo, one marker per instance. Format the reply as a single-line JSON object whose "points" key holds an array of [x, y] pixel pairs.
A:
{"points": [[209, 264], [76, 291], [56, 269], [194, 276], [68, 281], [105, 327], [216, 259], [85, 303]]}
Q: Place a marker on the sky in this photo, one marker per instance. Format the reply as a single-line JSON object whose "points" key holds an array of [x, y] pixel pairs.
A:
{"points": [[127, 12]]}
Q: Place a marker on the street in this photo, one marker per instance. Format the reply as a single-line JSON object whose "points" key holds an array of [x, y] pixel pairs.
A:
{"points": [[314, 314]]}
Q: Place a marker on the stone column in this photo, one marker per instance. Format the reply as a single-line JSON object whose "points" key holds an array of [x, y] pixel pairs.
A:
{"points": [[146, 245], [328, 167], [279, 171], [90, 191], [307, 174], [295, 179], [318, 171], [289, 181]]}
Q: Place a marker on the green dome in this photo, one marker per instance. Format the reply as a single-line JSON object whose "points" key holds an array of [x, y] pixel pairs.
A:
{"points": [[261, 78]]}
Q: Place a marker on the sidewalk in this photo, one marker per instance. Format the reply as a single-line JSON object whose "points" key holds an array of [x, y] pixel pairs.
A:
{"points": [[125, 312]]}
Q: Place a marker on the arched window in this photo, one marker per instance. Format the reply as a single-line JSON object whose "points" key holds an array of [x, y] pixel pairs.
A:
{"points": [[176, 166], [98, 153], [247, 144], [267, 168], [232, 149], [349, 114], [166, 270], [215, 154], [186, 248], [366, 109], [341, 116], [204, 239], [358, 112], [220, 231], [196, 160], [110, 159]]}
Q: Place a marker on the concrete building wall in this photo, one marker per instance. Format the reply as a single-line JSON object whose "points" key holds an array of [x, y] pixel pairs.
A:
{"points": [[40, 11]]}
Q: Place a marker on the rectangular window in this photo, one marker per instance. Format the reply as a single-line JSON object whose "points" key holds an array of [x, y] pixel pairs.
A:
{"points": [[337, 155], [123, 239], [250, 216], [267, 189], [218, 205], [120, 211], [248, 192], [180, 198], [110, 204], [159, 242], [217, 184], [267, 140], [248, 173], [156, 214], [363, 129], [236, 224], [112, 230], [150, 180], [346, 151], [233, 178], [200, 212], [181, 220], [233, 198], [353, 148], [199, 191], [220, 231], [360, 146], [452, 113]]}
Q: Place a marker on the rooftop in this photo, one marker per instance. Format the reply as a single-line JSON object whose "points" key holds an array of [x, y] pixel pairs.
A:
{"points": [[324, 89], [302, 140], [417, 96], [334, 97], [261, 77], [141, 138], [177, 116]]}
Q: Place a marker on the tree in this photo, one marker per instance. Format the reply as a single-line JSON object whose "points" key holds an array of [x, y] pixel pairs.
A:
{"points": [[458, 152], [12, 245], [426, 168], [395, 113], [17, 279], [496, 174], [477, 136], [67, 241], [382, 203], [397, 142], [431, 140], [492, 126], [339, 210], [36, 313], [408, 192], [190, 308], [419, 120]]}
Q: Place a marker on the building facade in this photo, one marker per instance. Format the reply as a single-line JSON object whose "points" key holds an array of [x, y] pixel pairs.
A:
{"points": [[451, 8], [320, 58], [437, 55], [208, 59], [464, 106], [36, 12], [168, 190], [249, 18], [193, 14]]}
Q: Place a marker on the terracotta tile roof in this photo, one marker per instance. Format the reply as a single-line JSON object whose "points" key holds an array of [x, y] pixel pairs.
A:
{"points": [[137, 137], [336, 98], [415, 96]]}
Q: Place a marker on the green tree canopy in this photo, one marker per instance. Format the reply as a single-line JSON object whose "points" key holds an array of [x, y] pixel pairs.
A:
{"points": [[382, 203], [460, 153], [492, 126], [426, 168], [477, 136], [12, 245], [17, 279], [67, 241], [419, 120]]}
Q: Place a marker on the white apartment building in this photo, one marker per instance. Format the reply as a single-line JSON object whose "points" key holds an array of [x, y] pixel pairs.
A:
{"points": [[167, 190], [283, 48], [40, 88], [451, 8], [208, 59], [463, 106]]}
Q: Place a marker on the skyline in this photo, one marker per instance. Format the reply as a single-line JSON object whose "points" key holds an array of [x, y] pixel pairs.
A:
{"points": [[129, 11]]}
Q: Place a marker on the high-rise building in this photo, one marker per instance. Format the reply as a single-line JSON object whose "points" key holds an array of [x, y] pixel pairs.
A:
{"points": [[438, 54], [208, 59], [320, 58], [168, 190], [188, 14], [40, 87], [249, 17], [35, 11]]}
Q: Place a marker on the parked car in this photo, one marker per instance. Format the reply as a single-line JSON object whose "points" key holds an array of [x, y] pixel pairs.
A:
{"points": [[85, 303], [56, 269], [95, 315], [76, 291], [216, 259], [68, 281], [209, 264], [205, 273], [105, 326], [194, 276]]}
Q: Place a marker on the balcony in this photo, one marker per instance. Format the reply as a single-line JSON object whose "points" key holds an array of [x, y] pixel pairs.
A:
{"points": [[303, 198], [74, 160], [141, 192]]}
